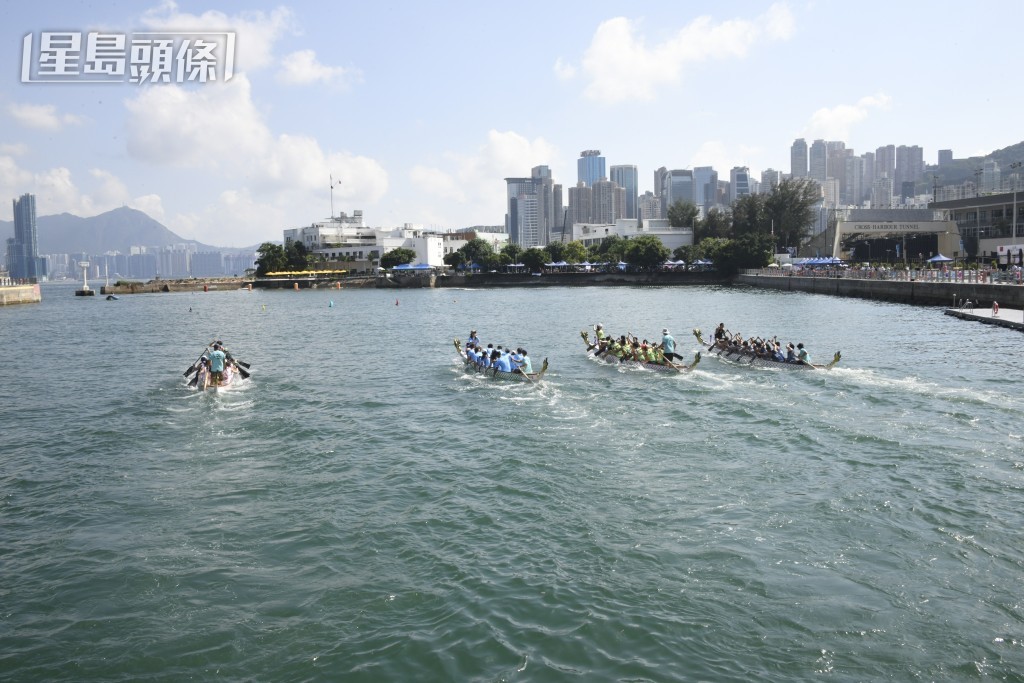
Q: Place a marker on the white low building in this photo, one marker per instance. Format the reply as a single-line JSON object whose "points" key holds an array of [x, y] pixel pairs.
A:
{"points": [[346, 238], [672, 238], [453, 241]]}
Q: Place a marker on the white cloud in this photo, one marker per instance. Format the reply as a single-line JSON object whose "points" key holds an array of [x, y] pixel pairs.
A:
{"points": [[255, 32], [151, 205], [208, 126], [724, 157], [836, 122], [57, 192], [302, 68], [437, 183], [563, 70], [17, 149], [217, 135], [467, 187], [41, 116], [620, 66], [110, 191]]}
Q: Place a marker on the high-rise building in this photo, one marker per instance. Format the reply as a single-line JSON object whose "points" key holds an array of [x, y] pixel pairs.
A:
{"points": [[867, 178], [818, 160], [606, 201], [798, 159], [991, 176], [625, 176], [945, 157], [881, 193], [659, 180], [885, 162], [909, 164], [649, 206], [739, 183], [535, 214], [705, 188], [678, 188], [770, 178], [852, 191], [23, 261], [580, 204], [590, 167], [521, 221]]}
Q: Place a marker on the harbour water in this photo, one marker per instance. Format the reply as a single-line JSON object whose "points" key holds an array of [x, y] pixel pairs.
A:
{"points": [[361, 510]]}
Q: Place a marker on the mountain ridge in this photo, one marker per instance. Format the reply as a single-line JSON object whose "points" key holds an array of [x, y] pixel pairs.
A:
{"points": [[115, 230]]}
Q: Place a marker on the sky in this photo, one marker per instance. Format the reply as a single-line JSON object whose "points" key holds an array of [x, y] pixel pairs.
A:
{"points": [[415, 113]]}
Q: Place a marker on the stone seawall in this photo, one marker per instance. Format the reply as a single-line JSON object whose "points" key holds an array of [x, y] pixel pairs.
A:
{"points": [[187, 285], [20, 294], [657, 279], [917, 293]]}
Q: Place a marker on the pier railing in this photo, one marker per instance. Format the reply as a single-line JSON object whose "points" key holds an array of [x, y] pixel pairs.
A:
{"points": [[944, 275]]}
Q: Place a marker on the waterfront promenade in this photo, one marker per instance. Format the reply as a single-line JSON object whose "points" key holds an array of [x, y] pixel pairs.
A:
{"points": [[927, 287]]}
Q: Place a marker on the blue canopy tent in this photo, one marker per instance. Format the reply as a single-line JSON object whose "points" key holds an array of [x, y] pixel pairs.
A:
{"points": [[939, 258]]}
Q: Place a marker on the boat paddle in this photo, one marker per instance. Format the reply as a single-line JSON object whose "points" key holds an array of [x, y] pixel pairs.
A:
{"points": [[241, 370], [195, 366]]}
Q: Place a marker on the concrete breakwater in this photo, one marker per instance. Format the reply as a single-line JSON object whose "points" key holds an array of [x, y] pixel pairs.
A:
{"points": [[185, 285], [592, 279], [919, 292], [20, 294]]}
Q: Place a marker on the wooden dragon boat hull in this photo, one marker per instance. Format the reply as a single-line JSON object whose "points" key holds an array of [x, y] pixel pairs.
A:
{"points": [[656, 367], [205, 381], [722, 351], [472, 368]]}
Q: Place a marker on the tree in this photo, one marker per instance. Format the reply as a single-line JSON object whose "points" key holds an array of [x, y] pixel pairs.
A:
{"points": [[455, 259], [534, 259], [686, 253], [476, 251], [575, 252], [749, 216], [715, 249], [298, 257], [613, 248], [556, 250], [682, 214], [789, 209], [397, 257], [271, 259], [646, 251], [513, 251], [716, 223]]}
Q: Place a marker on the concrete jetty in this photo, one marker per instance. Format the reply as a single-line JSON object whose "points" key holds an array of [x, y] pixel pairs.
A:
{"points": [[1004, 317]]}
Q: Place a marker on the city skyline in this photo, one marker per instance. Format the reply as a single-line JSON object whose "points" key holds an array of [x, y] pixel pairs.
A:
{"points": [[410, 120]]}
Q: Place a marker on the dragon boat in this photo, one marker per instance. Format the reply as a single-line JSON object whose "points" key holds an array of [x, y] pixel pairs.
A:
{"points": [[613, 360], [234, 371], [721, 349], [472, 368], [204, 378]]}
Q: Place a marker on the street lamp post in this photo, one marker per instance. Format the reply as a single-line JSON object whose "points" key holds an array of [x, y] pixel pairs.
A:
{"points": [[1015, 165]]}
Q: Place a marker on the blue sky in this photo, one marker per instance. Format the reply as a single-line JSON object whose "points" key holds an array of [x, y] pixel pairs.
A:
{"points": [[418, 111]]}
